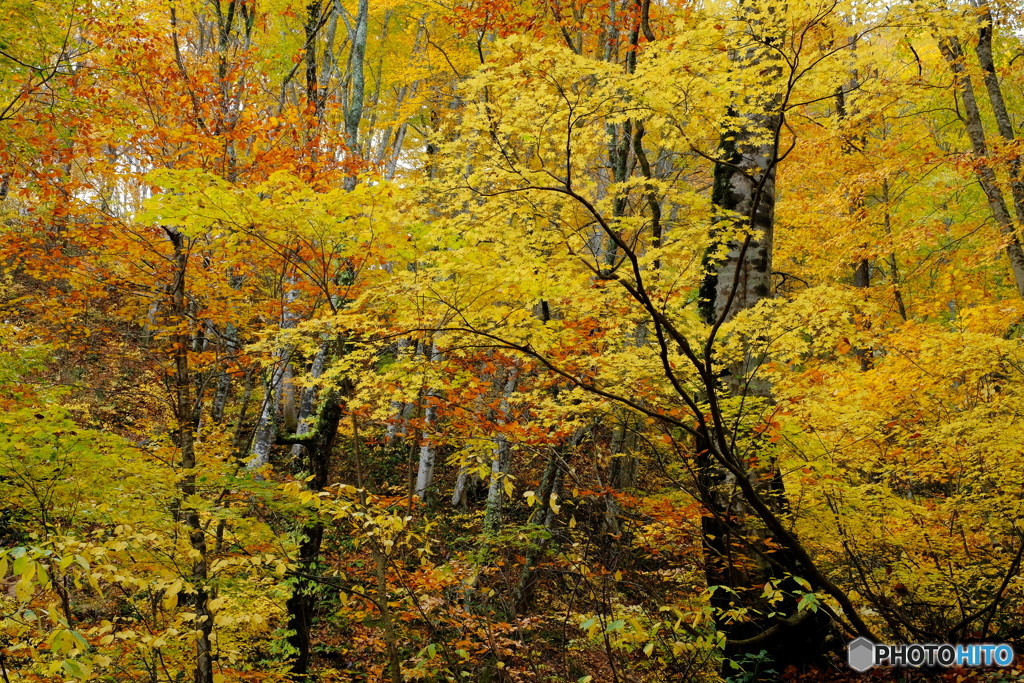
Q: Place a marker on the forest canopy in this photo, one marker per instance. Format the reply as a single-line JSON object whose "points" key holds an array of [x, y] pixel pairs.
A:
{"points": [[553, 340]]}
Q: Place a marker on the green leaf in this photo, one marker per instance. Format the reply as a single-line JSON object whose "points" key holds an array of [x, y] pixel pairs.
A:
{"points": [[808, 601], [75, 669], [80, 639], [44, 578]]}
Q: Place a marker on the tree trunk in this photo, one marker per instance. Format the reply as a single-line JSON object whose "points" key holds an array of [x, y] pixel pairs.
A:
{"points": [[308, 401], [220, 397], [500, 460], [398, 427], [995, 96], [381, 601], [954, 55], [313, 23], [428, 453], [184, 409], [622, 475], [266, 427], [736, 558], [543, 514], [357, 95], [301, 606]]}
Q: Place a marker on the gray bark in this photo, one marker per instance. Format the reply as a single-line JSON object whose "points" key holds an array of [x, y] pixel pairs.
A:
{"points": [[428, 453], [745, 185], [995, 96], [286, 393], [308, 401], [622, 471], [266, 428], [734, 492], [354, 111], [396, 151], [328, 64], [500, 460], [220, 397], [461, 486], [147, 335], [953, 53], [460, 497], [312, 27]]}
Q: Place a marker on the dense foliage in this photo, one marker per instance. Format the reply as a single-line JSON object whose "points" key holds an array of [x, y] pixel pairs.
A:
{"points": [[543, 341]]}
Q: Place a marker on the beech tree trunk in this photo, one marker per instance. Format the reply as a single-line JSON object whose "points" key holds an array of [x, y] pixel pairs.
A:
{"points": [[500, 460], [184, 409], [995, 96], [318, 443], [737, 560], [308, 401], [954, 55], [266, 427], [428, 452]]}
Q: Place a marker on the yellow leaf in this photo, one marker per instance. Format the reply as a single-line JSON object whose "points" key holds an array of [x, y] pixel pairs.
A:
{"points": [[23, 590]]}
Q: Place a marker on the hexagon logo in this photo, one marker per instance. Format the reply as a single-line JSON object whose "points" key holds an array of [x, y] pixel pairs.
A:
{"points": [[861, 654]]}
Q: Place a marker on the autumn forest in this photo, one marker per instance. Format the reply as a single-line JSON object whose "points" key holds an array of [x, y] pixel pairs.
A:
{"points": [[509, 341]]}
